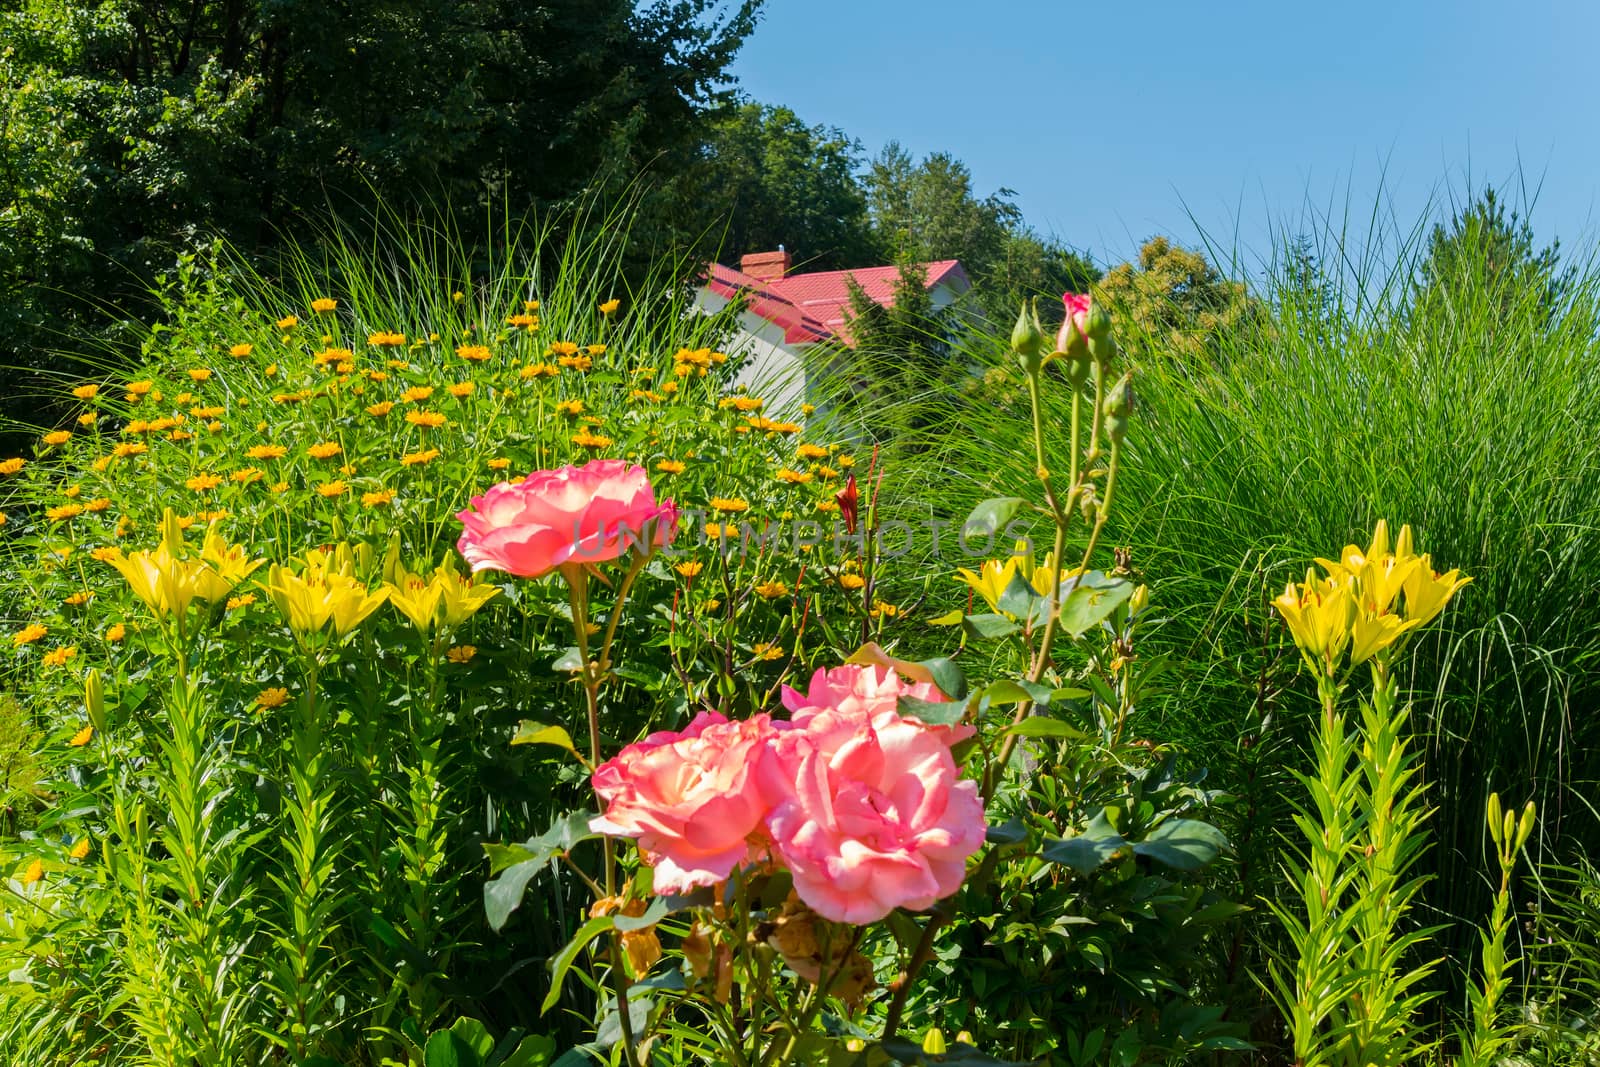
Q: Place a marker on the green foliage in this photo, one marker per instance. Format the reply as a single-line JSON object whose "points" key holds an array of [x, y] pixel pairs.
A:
{"points": [[1176, 305], [1484, 257], [774, 181]]}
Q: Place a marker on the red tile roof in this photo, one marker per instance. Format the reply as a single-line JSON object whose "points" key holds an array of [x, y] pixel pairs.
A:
{"points": [[815, 307]]}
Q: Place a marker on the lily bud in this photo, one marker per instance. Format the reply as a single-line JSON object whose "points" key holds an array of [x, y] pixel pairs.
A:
{"points": [[849, 501], [933, 1042], [1525, 826], [1027, 340], [94, 699], [1139, 600], [1496, 819]]}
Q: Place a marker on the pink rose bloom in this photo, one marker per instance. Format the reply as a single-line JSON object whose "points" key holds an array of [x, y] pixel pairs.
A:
{"points": [[868, 689], [584, 514], [694, 800], [1075, 327], [879, 817]]}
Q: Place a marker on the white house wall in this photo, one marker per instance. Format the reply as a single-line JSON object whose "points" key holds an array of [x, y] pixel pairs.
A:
{"points": [[772, 369]]}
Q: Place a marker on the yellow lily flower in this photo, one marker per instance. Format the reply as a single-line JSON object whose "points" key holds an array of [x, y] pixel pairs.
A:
{"points": [[991, 580], [1319, 613], [168, 582], [994, 576], [460, 595], [1371, 634], [323, 593], [1427, 592]]}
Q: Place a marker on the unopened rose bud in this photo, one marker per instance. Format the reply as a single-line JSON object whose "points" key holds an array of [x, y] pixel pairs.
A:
{"points": [[1102, 346], [1027, 340], [1073, 338], [1118, 407]]}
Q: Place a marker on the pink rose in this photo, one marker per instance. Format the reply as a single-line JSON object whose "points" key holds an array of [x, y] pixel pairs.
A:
{"points": [[868, 689], [694, 800], [584, 514], [1075, 327], [879, 817]]}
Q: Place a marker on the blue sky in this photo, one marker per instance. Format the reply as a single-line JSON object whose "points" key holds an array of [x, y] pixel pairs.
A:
{"points": [[1114, 121]]}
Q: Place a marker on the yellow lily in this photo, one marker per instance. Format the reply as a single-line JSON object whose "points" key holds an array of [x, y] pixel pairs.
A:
{"points": [[994, 576], [323, 593], [991, 580], [1319, 613], [1427, 592], [1371, 634], [168, 581]]}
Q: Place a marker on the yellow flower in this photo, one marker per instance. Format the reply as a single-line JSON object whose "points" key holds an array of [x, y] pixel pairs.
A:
{"points": [[377, 498], [246, 475], [386, 340], [499, 463], [210, 412], [116, 632], [851, 581], [793, 477], [240, 351], [243, 600], [80, 849], [168, 579], [580, 363], [72, 492], [742, 403], [447, 598], [729, 504], [429, 420], [670, 466], [59, 656], [380, 409], [274, 697], [57, 437], [63, 511], [82, 737], [586, 439], [200, 374], [33, 873], [884, 610], [78, 599], [530, 305], [570, 407], [129, 448], [267, 452], [204, 481], [86, 392], [288, 322], [810, 451], [538, 370], [323, 305], [416, 393], [324, 450], [142, 387], [772, 590], [610, 306], [13, 465], [322, 593], [460, 389], [689, 569], [413, 459], [331, 489], [1319, 614], [461, 653], [808, 409], [846, 462], [765, 650], [88, 418], [475, 353], [278, 487]]}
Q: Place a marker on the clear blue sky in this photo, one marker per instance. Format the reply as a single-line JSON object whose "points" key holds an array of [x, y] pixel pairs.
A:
{"points": [[1114, 121]]}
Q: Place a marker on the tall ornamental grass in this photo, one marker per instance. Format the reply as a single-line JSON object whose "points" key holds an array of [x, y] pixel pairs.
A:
{"points": [[1474, 416]]}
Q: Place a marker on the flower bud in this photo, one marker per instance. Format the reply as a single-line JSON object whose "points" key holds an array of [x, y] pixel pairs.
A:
{"points": [[1076, 367], [1496, 818], [933, 1042], [1525, 827], [1027, 340], [94, 699], [1102, 346], [1117, 409], [1073, 338], [1139, 601]]}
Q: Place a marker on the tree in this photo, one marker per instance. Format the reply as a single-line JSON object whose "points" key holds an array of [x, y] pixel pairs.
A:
{"points": [[1485, 256], [1175, 304], [772, 180], [134, 128]]}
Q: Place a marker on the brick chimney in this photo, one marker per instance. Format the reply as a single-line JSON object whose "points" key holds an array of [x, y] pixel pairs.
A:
{"points": [[766, 266]]}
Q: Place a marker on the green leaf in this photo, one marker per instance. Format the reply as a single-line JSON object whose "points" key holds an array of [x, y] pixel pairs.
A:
{"points": [[541, 733], [1091, 601], [1019, 598], [1044, 726], [940, 714], [1009, 691], [475, 1035], [534, 1051], [659, 909], [570, 661], [987, 627], [502, 857], [949, 618], [503, 895], [445, 1049], [947, 676], [991, 515], [1010, 832], [561, 962], [1183, 844], [1086, 852]]}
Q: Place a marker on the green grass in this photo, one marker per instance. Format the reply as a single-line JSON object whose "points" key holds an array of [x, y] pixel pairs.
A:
{"points": [[1475, 419]]}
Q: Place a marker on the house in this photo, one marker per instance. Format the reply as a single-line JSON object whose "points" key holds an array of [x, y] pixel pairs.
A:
{"points": [[788, 318]]}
